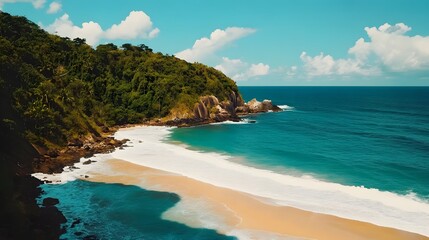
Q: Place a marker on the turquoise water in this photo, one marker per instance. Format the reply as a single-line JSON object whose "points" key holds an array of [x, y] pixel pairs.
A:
{"points": [[115, 211], [377, 137]]}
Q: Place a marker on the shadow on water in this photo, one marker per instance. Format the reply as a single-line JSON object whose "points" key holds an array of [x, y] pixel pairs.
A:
{"points": [[116, 211]]}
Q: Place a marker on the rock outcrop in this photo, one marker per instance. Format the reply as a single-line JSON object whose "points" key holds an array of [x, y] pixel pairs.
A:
{"points": [[254, 106], [53, 161], [210, 109]]}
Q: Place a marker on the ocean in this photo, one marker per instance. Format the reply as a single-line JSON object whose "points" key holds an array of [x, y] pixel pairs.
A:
{"points": [[355, 152], [376, 137]]}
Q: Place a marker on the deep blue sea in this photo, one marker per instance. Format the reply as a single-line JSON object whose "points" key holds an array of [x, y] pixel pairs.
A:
{"points": [[377, 137]]}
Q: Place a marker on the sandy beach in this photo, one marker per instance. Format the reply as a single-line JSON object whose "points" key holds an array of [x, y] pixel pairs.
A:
{"points": [[243, 214], [247, 202]]}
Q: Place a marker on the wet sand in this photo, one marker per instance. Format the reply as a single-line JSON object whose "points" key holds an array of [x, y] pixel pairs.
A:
{"points": [[241, 213]]}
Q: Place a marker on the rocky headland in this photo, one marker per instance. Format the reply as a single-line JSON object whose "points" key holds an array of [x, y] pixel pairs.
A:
{"points": [[207, 110], [210, 110]]}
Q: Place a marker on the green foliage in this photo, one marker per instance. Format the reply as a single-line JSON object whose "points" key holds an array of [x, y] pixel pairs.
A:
{"points": [[57, 87]]}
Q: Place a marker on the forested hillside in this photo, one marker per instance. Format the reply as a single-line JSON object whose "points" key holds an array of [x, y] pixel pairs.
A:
{"points": [[55, 88]]}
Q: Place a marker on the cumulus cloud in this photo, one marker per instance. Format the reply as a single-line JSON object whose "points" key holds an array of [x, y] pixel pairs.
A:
{"points": [[395, 50], [63, 26], [206, 46], [36, 3], [54, 7], [136, 26], [389, 49], [327, 65], [239, 70]]}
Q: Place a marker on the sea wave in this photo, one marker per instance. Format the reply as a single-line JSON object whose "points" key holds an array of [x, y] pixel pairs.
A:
{"points": [[286, 107], [149, 147], [243, 121]]}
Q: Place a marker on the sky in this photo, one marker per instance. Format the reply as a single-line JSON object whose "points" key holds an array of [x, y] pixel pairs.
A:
{"points": [[259, 43]]}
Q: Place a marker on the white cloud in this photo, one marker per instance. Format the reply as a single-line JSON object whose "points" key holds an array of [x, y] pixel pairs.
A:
{"points": [[239, 70], [327, 65], [394, 49], [388, 50], [206, 46], [54, 7], [259, 69], [136, 26], [63, 26], [36, 3], [154, 33]]}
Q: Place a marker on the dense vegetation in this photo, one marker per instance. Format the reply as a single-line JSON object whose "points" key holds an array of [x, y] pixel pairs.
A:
{"points": [[55, 88]]}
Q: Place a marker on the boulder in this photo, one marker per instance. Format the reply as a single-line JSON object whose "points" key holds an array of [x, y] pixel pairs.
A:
{"points": [[200, 111], [48, 202], [254, 106], [267, 105], [242, 110]]}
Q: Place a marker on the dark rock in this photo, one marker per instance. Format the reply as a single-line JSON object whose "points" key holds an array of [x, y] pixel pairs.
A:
{"points": [[51, 215], [53, 153], [105, 129], [89, 161], [75, 222], [47, 202], [276, 108], [87, 147], [87, 154], [75, 143], [90, 237]]}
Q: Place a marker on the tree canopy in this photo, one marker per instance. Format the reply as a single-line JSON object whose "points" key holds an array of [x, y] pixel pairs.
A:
{"points": [[54, 88]]}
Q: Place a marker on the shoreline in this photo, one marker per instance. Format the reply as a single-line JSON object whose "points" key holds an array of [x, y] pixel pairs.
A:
{"points": [[239, 213], [151, 151]]}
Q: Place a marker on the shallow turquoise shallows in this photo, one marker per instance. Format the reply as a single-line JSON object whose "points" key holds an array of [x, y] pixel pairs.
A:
{"points": [[377, 137], [116, 211]]}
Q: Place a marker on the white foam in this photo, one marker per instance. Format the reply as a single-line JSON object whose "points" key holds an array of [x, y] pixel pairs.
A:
{"points": [[286, 107], [353, 202], [77, 171], [243, 121]]}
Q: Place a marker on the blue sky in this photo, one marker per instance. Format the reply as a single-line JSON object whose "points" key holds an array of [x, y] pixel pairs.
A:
{"points": [[271, 42]]}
